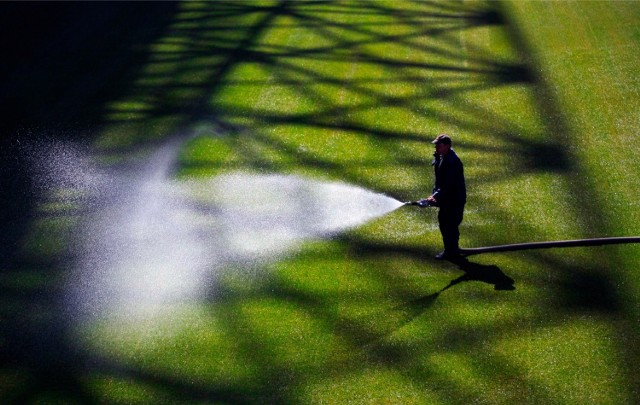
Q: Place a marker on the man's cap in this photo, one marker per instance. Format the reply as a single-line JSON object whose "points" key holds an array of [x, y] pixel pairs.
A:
{"points": [[442, 138]]}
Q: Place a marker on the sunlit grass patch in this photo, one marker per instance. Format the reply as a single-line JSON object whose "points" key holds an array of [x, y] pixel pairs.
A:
{"points": [[462, 374], [368, 385], [207, 155], [192, 346], [577, 357], [529, 200], [406, 227], [292, 338]]}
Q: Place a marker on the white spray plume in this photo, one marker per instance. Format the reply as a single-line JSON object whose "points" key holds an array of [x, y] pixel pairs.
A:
{"points": [[148, 241]]}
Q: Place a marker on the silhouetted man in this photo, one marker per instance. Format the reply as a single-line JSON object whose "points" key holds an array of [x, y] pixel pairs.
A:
{"points": [[449, 194]]}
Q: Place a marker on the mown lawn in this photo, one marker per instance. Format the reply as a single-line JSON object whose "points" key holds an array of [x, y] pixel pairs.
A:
{"points": [[541, 100]]}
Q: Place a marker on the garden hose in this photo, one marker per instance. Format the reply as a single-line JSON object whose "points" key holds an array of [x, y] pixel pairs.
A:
{"points": [[551, 244]]}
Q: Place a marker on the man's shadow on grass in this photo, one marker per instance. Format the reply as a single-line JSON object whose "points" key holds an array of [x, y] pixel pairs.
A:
{"points": [[405, 313], [490, 274]]}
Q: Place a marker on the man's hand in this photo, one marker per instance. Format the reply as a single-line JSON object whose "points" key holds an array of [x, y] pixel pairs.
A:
{"points": [[431, 199]]}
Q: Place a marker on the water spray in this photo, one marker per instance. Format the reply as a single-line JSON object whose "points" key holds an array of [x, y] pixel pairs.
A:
{"points": [[146, 243]]}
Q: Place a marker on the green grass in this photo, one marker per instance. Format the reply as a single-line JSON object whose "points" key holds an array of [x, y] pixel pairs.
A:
{"points": [[355, 91]]}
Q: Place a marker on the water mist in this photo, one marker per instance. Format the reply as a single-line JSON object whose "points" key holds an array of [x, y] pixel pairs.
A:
{"points": [[147, 242]]}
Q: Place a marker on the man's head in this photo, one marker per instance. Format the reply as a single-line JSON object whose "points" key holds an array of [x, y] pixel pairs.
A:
{"points": [[442, 143]]}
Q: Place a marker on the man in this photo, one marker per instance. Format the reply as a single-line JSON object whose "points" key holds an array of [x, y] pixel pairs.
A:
{"points": [[449, 194]]}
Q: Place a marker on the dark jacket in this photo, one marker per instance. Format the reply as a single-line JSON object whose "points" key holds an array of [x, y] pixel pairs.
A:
{"points": [[450, 189]]}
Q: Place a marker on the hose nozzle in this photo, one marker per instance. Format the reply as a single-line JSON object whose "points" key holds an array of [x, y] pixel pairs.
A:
{"points": [[420, 203]]}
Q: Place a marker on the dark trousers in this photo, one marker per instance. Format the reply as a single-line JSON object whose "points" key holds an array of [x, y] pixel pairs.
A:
{"points": [[449, 219]]}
